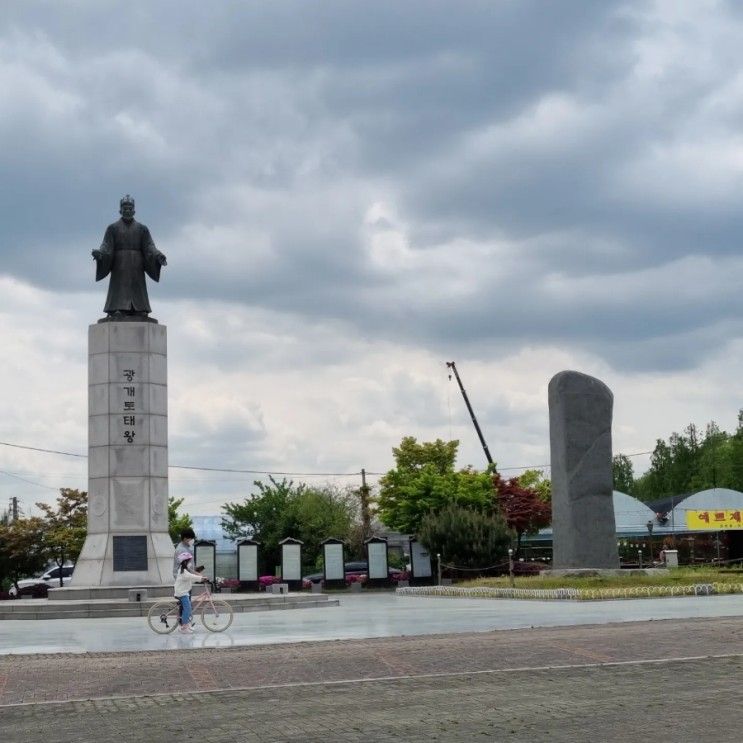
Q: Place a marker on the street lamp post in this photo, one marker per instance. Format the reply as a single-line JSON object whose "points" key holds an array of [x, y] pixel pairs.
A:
{"points": [[650, 541], [639, 557], [510, 566]]}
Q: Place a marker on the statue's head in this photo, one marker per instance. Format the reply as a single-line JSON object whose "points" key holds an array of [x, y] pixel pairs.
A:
{"points": [[126, 208]]}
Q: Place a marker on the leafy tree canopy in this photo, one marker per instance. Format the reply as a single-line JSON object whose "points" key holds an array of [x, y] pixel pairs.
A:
{"points": [[688, 462], [536, 481], [22, 549], [66, 525], [623, 473], [524, 510], [424, 480], [177, 521], [282, 509]]}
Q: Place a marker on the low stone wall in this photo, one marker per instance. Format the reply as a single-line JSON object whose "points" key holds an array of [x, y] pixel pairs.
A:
{"points": [[575, 594]]}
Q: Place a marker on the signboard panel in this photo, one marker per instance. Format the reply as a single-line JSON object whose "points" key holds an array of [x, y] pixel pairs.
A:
{"points": [[248, 562], [377, 552], [130, 553], [420, 560], [291, 566], [334, 568], [205, 556], [714, 520]]}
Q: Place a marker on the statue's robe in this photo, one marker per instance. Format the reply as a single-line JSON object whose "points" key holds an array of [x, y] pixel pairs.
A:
{"points": [[127, 253]]}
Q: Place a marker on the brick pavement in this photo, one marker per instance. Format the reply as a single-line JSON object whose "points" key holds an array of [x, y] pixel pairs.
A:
{"points": [[601, 704], [586, 683]]}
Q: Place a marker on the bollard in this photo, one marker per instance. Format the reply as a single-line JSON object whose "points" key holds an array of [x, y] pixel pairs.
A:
{"points": [[510, 567]]}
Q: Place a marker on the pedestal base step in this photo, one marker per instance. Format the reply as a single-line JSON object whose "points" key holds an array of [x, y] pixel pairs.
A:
{"points": [[122, 607]]}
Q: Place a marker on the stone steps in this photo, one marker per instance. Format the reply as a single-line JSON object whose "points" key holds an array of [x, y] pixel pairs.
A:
{"points": [[101, 608]]}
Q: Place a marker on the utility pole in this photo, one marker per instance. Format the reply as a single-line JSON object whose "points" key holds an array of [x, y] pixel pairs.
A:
{"points": [[453, 367], [365, 512], [14, 508]]}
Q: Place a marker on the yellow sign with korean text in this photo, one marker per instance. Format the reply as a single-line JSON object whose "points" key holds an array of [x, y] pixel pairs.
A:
{"points": [[714, 520]]}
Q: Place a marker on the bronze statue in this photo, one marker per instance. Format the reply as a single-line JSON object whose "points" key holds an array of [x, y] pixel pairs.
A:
{"points": [[127, 253]]}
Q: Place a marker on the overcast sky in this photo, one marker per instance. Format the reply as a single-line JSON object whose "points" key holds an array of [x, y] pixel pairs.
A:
{"points": [[351, 194]]}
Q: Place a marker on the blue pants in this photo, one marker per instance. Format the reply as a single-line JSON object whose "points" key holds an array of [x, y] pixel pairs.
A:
{"points": [[185, 609]]}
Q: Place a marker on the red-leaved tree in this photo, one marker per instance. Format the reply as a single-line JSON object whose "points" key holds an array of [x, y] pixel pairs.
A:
{"points": [[522, 508]]}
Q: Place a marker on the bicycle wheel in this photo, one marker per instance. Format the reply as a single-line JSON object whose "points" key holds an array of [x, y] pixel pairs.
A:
{"points": [[163, 617], [216, 615]]}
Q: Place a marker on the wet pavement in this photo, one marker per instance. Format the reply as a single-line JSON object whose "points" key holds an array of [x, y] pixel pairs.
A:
{"points": [[607, 682], [357, 617]]}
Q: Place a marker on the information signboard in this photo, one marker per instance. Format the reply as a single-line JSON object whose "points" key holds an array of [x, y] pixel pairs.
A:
{"points": [[205, 554], [420, 560], [377, 552], [248, 562], [334, 568], [291, 566]]}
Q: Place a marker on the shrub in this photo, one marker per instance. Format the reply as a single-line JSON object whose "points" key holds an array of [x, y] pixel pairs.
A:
{"points": [[528, 568], [355, 579], [465, 537]]}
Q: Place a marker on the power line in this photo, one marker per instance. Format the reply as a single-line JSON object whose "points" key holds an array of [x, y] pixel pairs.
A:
{"points": [[45, 451], [193, 467], [30, 482], [266, 472]]}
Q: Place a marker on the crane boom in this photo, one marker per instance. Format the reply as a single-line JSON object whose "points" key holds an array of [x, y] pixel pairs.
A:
{"points": [[453, 367]]}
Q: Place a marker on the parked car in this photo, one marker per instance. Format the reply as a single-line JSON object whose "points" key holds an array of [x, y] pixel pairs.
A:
{"points": [[358, 567], [34, 591], [50, 579]]}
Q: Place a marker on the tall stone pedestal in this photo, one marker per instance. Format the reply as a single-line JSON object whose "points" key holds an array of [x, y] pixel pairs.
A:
{"points": [[128, 541]]}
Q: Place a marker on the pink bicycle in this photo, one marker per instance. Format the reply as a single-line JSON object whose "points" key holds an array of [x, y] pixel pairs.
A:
{"points": [[216, 614]]}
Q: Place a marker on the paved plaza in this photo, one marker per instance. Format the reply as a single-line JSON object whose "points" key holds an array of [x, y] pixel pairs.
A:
{"points": [[357, 617], [603, 681]]}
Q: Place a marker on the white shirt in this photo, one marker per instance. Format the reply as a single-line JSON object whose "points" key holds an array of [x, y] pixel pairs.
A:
{"points": [[184, 582]]}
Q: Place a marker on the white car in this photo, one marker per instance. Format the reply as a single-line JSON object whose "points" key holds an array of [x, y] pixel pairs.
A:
{"points": [[50, 578]]}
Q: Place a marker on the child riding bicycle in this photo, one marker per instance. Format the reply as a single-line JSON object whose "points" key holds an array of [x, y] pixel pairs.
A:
{"points": [[183, 583]]}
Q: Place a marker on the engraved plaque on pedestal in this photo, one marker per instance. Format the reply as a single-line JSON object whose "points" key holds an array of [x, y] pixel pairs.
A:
{"points": [[129, 553]]}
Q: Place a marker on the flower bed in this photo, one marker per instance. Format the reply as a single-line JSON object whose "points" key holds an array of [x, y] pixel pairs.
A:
{"points": [[575, 594]]}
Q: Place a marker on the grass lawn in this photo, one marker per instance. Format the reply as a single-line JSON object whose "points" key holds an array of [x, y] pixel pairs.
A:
{"points": [[672, 577]]}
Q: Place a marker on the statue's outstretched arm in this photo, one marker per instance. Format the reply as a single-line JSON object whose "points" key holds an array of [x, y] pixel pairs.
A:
{"points": [[104, 256], [153, 258]]}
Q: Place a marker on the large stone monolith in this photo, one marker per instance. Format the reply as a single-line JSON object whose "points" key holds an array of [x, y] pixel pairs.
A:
{"points": [[583, 526]]}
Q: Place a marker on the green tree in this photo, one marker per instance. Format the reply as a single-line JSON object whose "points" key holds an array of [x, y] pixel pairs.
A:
{"points": [[282, 509], [689, 463], [623, 473], [22, 549], [177, 521], [65, 526], [465, 537], [536, 481], [322, 513], [424, 480]]}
